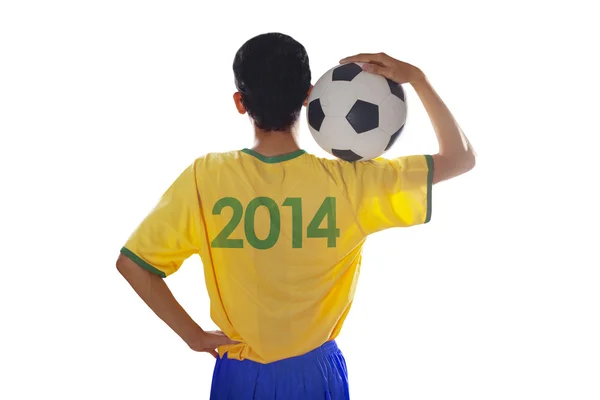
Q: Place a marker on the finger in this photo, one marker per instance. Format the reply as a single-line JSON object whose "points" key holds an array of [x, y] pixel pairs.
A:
{"points": [[214, 353], [378, 69], [225, 340], [222, 339], [364, 57]]}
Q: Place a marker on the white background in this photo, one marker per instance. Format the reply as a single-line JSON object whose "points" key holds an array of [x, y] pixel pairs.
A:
{"points": [[103, 103]]}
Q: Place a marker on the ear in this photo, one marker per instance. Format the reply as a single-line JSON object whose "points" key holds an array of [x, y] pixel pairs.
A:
{"points": [[307, 95], [237, 98]]}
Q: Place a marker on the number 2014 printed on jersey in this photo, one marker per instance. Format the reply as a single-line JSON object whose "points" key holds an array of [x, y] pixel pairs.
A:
{"points": [[326, 212]]}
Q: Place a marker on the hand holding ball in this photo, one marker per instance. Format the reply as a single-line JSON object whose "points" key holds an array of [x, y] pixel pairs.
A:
{"points": [[354, 114]]}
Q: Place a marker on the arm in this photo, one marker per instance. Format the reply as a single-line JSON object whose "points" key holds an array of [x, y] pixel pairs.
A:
{"points": [[158, 248], [156, 294], [455, 156]]}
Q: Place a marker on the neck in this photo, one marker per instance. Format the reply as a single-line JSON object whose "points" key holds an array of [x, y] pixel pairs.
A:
{"points": [[274, 143]]}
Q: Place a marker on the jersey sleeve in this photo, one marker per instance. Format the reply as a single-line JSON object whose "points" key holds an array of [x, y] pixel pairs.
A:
{"points": [[388, 193], [171, 232]]}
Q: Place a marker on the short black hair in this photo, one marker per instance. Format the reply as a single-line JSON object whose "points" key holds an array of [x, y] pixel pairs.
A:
{"points": [[273, 76]]}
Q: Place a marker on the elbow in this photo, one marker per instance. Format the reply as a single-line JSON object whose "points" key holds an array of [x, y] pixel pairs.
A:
{"points": [[468, 163], [465, 161], [464, 165], [122, 264], [448, 167]]}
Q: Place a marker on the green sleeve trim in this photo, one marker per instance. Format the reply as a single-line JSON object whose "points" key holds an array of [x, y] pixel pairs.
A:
{"points": [[133, 257], [429, 186], [276, 159]]}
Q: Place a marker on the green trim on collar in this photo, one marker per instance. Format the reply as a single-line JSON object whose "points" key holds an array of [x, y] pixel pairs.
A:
{"points": [[275, 159]]}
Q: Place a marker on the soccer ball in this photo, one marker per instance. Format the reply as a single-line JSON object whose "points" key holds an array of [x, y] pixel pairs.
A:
{"points": [[355, 115]]}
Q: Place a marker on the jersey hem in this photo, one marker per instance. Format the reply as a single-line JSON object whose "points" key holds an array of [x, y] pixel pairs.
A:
{"points": [[430, 167], [275, 159], [136, 259]]}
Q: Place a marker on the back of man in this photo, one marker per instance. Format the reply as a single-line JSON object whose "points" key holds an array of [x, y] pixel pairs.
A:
{"points": [[280, 239], [280, 231]]}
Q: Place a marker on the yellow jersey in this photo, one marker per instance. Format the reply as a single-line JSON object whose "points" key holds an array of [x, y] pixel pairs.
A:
{"points": [[280, 239]]}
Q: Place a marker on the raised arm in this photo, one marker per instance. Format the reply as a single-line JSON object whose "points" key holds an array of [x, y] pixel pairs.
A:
{"points": [[455, 156]]}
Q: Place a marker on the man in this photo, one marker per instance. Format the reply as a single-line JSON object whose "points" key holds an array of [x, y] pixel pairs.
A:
{"points": [[280, 231]]}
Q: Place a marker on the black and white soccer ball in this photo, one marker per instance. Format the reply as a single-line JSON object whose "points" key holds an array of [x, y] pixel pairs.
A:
{"points": [[355, 115]]}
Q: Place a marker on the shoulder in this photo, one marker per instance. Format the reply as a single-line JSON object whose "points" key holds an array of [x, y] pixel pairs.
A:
{"points": [[327, 163], [367, 171], [336, 164], [220, 157], [210, 161]]}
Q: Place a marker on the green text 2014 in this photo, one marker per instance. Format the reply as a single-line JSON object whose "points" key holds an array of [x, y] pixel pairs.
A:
{"points": [[327, 212]]}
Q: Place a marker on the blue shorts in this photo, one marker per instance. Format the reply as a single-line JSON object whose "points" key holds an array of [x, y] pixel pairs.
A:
{"points": [[317, 375]]}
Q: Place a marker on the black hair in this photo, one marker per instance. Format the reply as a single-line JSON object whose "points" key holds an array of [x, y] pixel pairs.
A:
{"points": [[273, 76]]}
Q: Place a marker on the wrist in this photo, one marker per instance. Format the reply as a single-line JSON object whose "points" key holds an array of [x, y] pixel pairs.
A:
{"points": [[418, 78], [194, 336], [420, 83]]}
